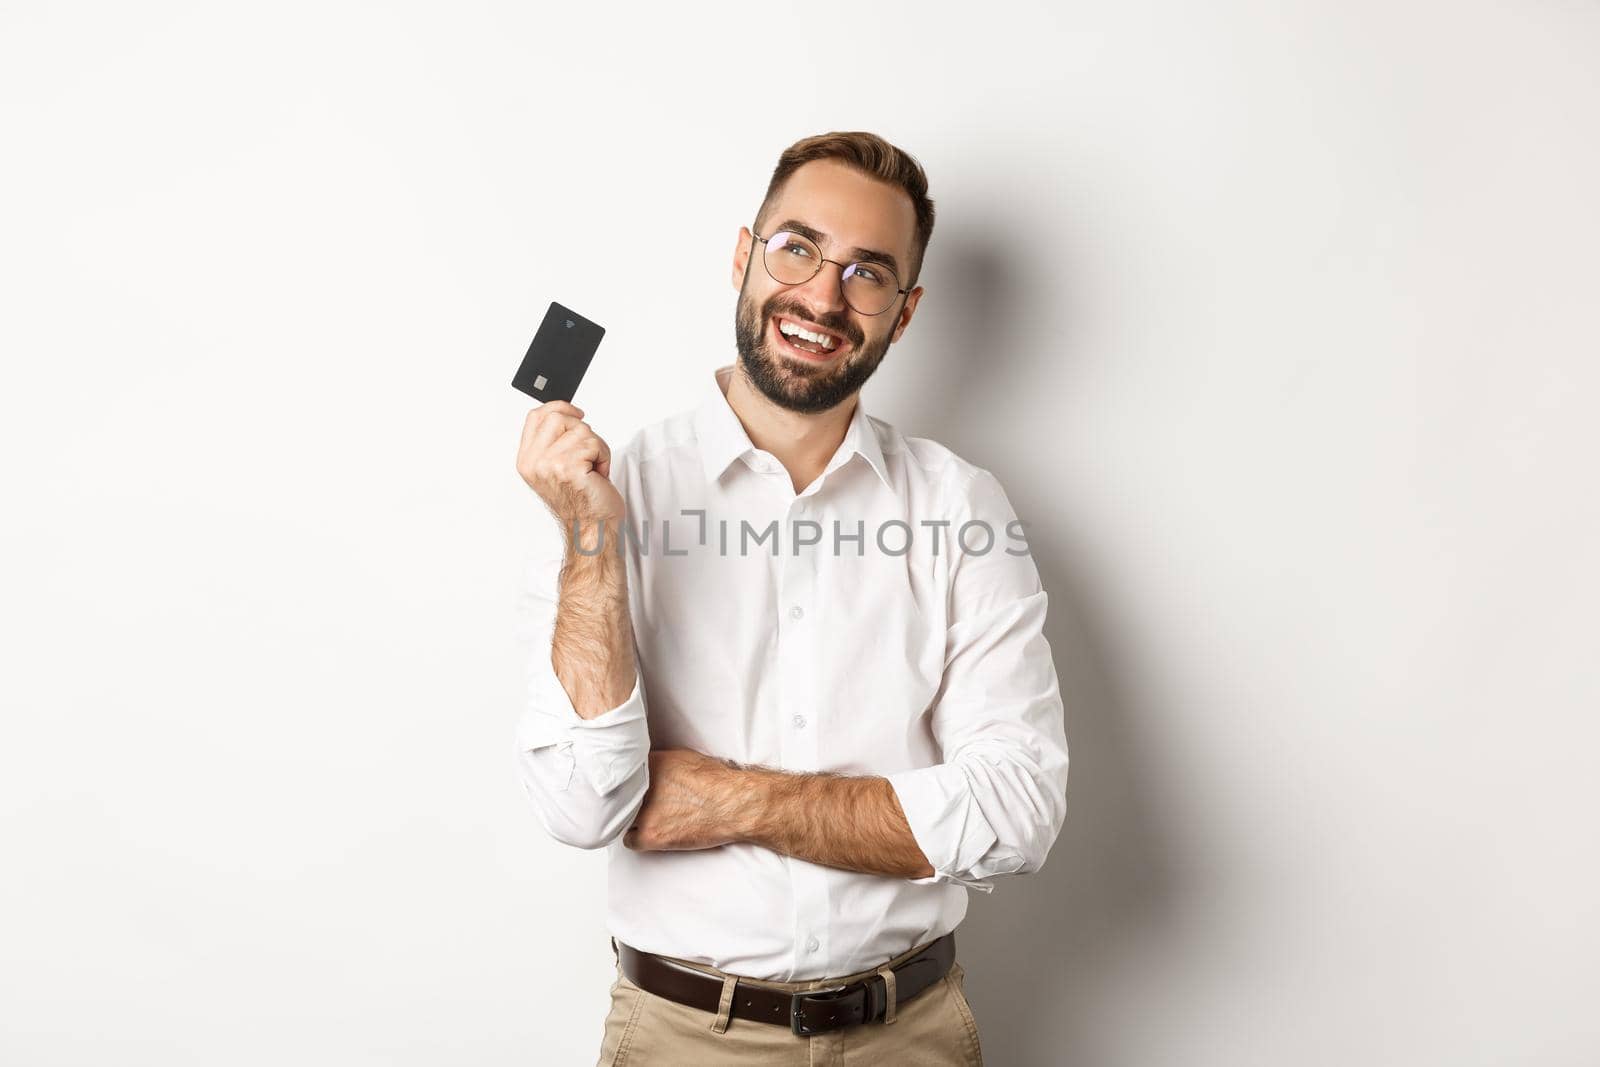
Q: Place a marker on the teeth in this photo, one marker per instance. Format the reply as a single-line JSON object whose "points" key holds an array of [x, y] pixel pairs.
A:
{"points": [[792, 330]]}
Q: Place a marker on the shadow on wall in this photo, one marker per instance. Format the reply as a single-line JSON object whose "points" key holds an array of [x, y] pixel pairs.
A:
{"points": [[980, 283], [1043, 951]]}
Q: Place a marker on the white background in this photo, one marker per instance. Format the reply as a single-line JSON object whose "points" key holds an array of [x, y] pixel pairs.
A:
{"points": [[1277, 321]]}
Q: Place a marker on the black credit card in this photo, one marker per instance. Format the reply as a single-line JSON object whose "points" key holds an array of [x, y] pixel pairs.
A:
{"points": [[559, 356]]}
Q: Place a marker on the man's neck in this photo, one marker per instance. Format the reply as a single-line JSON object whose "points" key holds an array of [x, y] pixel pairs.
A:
{"points": [[802, 442]]}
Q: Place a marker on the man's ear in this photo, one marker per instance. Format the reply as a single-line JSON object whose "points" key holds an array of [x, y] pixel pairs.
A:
{"points": [[904, 319], [741, 257]]}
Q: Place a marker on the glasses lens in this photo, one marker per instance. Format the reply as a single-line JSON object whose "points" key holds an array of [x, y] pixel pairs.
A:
{"points": [[870, 287], [791, 259]]}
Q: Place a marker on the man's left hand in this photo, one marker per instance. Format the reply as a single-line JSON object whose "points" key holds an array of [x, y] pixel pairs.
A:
{"points": [[693, 801]]}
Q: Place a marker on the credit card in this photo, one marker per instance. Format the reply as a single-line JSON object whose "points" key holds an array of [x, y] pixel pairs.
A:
{"points": [[559, 355]]}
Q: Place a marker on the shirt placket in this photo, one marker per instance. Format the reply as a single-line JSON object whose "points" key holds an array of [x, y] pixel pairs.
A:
{"points": [[798, 651]]}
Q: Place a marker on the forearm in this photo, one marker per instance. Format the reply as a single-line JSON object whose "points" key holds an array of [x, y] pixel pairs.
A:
{"points": [[854, 823], [591, 646]]}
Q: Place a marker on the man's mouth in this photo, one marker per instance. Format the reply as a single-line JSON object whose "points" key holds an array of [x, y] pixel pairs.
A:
{"points": [[807, 340]]}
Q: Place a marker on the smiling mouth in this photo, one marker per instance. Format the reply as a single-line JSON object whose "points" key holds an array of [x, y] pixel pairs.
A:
{"points": [[805, 341]]}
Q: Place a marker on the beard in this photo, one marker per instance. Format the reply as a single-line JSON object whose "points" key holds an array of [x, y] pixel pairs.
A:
{"points": [[792, 383]]}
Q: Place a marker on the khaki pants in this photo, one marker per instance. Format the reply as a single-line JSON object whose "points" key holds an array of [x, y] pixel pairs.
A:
{"points": [[935, 1028]]}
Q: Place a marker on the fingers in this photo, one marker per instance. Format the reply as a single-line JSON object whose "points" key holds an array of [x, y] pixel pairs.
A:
{"points": [[558, 412], [642, 841], [536, 432], [578, 450], [547, 422], [553, 428]]}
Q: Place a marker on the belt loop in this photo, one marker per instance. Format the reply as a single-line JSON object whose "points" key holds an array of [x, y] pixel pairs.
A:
{"points": [[889, 995], [725, 1008]]}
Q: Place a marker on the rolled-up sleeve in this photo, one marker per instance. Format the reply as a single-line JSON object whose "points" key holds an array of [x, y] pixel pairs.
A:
{"points": [[997, 802], [585, 777]]}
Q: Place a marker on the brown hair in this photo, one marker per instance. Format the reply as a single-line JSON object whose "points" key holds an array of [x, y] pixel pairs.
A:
{"points": [[874, 157]]}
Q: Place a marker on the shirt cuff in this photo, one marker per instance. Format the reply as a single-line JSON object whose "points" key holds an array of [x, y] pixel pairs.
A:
{"points": [[946, 821], [606, 749]]}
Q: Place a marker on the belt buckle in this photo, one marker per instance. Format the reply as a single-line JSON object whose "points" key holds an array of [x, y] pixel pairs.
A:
{"points": [[797, 1014]]}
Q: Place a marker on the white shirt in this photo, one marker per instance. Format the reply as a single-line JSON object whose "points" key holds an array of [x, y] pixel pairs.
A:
{"points": [[910, 653]]}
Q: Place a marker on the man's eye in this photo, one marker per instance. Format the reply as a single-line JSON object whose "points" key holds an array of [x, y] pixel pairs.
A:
{"points": [[868, 273], [799, 250]]}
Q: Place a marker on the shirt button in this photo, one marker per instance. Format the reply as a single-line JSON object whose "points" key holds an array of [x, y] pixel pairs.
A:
{"points": [[796, 611], [799, 722], [812, 944]]}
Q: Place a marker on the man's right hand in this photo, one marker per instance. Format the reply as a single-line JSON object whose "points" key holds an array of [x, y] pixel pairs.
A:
{"points": [[569, 466]]}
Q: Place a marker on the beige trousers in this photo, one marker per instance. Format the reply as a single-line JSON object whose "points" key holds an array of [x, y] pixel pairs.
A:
{"points": [[935, 1028]]}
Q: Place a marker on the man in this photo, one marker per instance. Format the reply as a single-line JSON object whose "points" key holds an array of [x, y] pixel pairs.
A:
{"points": [[853, 714]]}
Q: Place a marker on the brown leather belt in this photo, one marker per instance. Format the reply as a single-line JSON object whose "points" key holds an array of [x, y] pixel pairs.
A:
{"points": [[814, 1012]]}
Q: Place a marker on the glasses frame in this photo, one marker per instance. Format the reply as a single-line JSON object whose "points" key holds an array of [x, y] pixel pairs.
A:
{"points": [[821, 259]]}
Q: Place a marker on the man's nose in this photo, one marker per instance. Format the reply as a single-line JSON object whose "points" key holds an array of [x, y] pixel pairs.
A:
{"points": [[825, 290]]}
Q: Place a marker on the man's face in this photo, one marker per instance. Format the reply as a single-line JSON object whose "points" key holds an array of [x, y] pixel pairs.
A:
{"points": [[843, 210]]}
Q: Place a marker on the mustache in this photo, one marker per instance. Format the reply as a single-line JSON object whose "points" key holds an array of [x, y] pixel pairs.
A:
{"points": [[832, 323]]}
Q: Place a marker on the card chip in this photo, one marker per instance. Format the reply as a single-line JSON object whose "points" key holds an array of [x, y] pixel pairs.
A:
{"points": [[538, 383]]}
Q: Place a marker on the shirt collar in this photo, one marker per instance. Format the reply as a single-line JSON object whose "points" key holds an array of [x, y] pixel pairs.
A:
{"points": [[722, 437]]}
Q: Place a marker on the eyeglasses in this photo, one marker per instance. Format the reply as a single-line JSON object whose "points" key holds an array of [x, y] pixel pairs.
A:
{"points": [[794, 259]]}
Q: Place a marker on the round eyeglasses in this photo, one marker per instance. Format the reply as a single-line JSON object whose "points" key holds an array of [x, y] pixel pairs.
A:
{"points": [[794, 259]]}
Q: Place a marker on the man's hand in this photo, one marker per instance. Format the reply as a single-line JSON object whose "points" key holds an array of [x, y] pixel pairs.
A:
{"points": [[693, 802], [569, 466]]}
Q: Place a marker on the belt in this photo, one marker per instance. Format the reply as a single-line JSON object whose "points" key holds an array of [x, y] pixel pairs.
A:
{"points": [[805, 1013]]}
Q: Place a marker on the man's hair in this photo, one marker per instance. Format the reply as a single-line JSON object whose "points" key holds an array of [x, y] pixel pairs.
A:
{"points": [[874, 157]]}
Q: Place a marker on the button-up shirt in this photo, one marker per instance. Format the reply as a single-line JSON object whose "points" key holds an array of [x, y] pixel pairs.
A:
{"points": [[886, 620]]}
